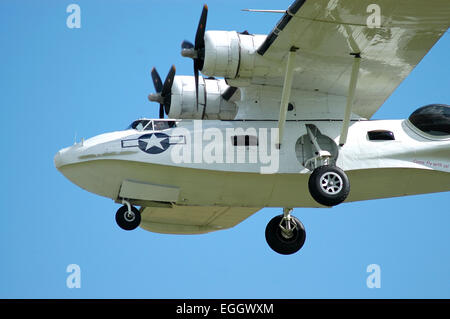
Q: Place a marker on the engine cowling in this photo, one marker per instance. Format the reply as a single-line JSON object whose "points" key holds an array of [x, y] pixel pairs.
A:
{"points": [[230, 54], [183, 102]]}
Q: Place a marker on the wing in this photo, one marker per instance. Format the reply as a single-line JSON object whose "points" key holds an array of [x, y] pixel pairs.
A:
{"points": [[328, 31], [192, 219]]}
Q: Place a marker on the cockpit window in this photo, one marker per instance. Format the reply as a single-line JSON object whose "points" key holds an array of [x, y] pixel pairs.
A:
{"points": [[150, 125], [162, 125], [141, 125], [432, 119]]}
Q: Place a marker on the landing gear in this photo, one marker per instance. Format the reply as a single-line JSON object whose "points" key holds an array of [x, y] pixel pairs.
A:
{"points": [[329, 185], [285, 234], [128, 217]]}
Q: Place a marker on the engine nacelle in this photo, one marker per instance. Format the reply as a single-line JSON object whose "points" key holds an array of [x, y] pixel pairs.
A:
{"points": [[230, 54], [183, 102]]}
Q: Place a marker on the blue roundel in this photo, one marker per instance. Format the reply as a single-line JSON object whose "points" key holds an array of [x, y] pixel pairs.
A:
{"points": [[154, 143]]}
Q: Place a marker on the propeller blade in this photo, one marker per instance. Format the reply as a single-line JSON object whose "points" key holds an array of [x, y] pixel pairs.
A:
{"points": [[199, 48], [166, 92], [167, 87], [161, 111], [204, 106], [196, 83], [156, 80], [199, 36]]}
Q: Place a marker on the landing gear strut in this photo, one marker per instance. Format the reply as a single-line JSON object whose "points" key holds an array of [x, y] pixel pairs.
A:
{"points": [[285, 234], [128, 217]]}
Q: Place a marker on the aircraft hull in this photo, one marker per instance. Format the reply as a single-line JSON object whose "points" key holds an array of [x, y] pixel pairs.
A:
{"points": [[198, 187], [123, 165]]}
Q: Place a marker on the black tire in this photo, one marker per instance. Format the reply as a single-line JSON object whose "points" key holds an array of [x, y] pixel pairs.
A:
{"points": [[281, 244], [128, 221], [333, 193]]}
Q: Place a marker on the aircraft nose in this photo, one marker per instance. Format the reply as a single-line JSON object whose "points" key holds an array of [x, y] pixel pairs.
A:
{"points": [[88, 174], [58, 160], [63, 157]]}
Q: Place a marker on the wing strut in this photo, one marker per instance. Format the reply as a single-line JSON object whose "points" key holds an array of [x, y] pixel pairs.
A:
{"points": [[286, 93], [350, 98]]}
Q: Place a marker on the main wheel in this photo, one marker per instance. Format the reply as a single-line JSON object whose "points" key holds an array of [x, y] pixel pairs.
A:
{"points": [[329, 185], [128, 220], [284, 242]]}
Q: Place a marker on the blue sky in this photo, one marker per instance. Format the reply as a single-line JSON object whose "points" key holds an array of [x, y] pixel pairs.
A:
{"points": [[57, 83]]}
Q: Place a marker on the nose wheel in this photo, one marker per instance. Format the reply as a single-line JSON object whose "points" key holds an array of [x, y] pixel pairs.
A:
{"points": [[128, 217], [285, 234]]}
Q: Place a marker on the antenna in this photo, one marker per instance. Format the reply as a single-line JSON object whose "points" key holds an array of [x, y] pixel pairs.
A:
{"points": [[264, 11]]}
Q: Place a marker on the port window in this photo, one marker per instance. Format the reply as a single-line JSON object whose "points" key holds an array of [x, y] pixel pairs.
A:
{"points": [[381, 135], [244, 140]]}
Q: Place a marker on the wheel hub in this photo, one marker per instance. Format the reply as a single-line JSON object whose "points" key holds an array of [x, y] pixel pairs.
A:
{"points": [[129, 216], [331, 183]]}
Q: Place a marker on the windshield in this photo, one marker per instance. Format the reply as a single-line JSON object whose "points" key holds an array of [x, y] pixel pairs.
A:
{"points": [[141, 125], [150, 125], [432, 119]]}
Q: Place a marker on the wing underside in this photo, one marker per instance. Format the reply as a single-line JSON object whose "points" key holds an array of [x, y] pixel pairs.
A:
{"points": [[391, 36], [192, 219]]}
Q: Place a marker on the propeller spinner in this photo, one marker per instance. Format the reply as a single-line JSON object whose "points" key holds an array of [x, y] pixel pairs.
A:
{"points": [[163, 91]]}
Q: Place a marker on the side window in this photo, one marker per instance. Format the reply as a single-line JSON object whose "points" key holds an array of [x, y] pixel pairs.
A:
{"points": [[163, 125], [381, 135], [244, 140]]}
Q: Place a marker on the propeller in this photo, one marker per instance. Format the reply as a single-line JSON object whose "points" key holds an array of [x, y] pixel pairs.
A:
{"points": [[163, 91], [197, 51]]}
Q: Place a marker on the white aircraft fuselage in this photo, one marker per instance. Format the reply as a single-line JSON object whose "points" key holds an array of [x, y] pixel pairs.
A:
{"points": [[202, 163]]}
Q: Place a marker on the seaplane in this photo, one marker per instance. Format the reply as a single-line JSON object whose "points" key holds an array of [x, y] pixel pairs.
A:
{"points": [[277, 120]]}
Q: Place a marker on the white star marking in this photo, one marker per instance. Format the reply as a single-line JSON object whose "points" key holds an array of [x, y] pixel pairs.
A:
{"points": [[154, 141]]}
